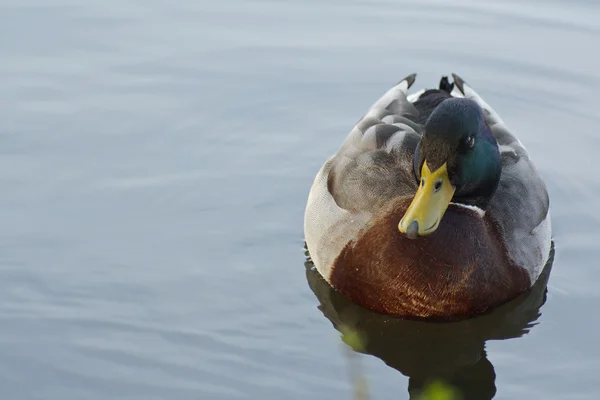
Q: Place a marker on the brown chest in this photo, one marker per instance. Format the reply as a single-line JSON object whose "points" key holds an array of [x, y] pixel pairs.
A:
{"points": [[462, 269]]}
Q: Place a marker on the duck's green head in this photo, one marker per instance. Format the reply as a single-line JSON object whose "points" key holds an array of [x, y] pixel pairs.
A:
{"points": [[456, 161]]}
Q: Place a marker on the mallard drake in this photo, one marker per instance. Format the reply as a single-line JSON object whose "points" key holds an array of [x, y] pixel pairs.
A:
{"points": [[431, 207]]}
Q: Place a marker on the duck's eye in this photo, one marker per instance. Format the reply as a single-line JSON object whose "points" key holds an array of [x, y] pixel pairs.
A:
{"points": [[470, 142], [437, 186]]}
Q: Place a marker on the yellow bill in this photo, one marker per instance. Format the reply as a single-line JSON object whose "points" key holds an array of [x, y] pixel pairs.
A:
{"points": [[429, 204]]}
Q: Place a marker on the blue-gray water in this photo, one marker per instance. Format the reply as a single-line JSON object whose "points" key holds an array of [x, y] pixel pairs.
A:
{"points": [[155, 159]]}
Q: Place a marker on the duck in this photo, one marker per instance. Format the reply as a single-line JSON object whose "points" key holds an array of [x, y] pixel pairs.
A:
{"points": [[431, 208]]}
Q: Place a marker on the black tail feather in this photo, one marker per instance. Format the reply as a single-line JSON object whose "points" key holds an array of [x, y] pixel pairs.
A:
{"points": [[445, 85]]}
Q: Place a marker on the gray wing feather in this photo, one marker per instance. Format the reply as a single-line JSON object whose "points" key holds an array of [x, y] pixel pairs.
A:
{"points": [[521, 195], [374, 164], [522, 203]]}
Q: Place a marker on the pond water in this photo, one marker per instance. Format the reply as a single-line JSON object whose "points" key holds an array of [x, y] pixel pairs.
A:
{"points": [[155, 161]]}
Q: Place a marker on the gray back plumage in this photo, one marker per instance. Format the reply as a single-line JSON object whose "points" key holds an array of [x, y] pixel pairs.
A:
{"points": [[374, 164]]}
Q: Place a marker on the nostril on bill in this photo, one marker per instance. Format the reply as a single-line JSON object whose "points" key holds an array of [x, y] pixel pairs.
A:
{"points": [[413, 230]]}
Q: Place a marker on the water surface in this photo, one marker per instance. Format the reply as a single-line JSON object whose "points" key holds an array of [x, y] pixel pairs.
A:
{"points": [[155, 161]]}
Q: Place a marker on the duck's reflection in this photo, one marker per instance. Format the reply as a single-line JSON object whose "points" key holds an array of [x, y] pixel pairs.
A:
{"points": [[454, 352]]}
